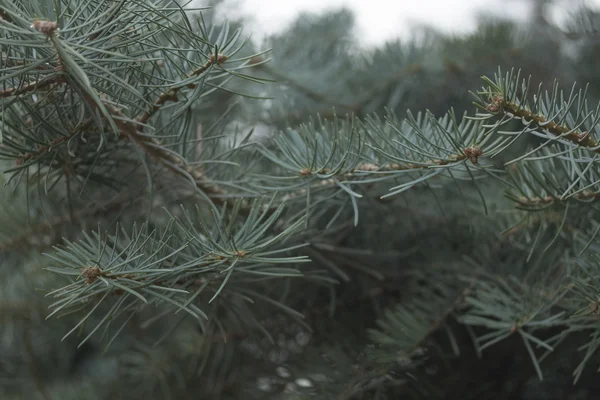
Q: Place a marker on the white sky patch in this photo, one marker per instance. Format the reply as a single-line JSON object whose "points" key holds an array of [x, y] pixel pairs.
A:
{"points": [[378, 20]]}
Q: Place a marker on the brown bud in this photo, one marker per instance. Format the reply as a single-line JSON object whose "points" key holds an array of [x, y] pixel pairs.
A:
{"points": [[91, 273], [496, 104], [46, 27], [221, 58], [240, 253], [473, 153], [492, 108]]}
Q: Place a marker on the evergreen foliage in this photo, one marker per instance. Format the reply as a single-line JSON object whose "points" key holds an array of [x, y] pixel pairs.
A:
{"points": [[183, 215]]}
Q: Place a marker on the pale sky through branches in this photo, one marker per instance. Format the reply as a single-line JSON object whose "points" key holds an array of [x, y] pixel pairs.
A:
{"points": [[378, 20]]}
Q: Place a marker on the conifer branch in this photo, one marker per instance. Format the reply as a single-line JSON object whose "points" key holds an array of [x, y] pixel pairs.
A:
{"points": [[33, 86], [583, 139], [471, 153], [127, 128], [363, 171], [387, 150], [542, 202], [52, 145], [171, 94], [133, 131]]}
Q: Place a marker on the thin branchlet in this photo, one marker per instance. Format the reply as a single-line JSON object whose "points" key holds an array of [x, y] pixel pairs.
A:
{"points": [[171, 94], [583, 138]]}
